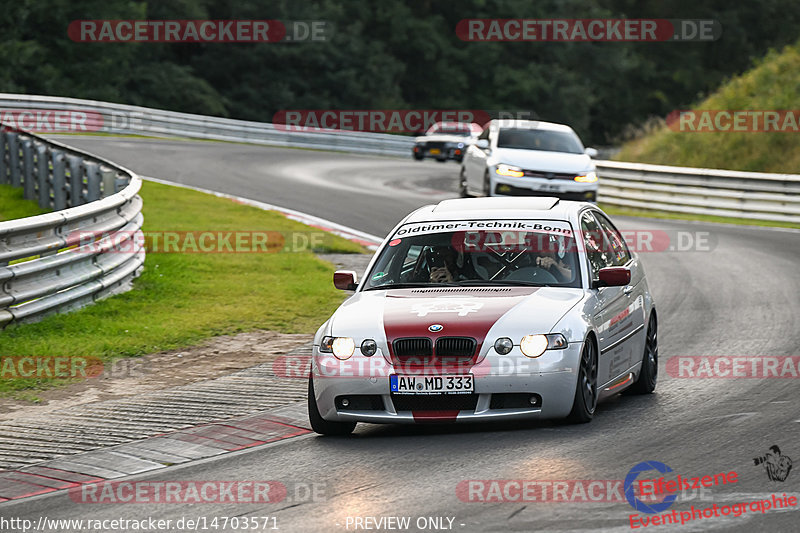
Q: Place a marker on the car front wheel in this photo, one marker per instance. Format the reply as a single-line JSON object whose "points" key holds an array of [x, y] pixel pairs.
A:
{"points": [[319, 424], [585, 401]]}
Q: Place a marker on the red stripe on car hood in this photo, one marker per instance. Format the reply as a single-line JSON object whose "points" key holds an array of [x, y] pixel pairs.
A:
{"points": [[462, 312]]}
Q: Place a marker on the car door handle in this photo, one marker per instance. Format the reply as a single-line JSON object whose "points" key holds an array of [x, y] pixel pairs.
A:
{"points": [[628, 290]]}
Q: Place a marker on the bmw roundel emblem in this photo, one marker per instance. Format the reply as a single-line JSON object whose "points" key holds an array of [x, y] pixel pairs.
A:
{"points": [[435, 328]]}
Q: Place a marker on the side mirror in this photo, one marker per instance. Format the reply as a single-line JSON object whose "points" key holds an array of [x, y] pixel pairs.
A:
{"points": [[483, 144], [591, 152], [345, 280], [613, 277]]}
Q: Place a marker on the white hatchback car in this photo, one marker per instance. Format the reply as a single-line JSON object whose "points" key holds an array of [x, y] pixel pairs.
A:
{"points": [[487, 309], [529, 158]]}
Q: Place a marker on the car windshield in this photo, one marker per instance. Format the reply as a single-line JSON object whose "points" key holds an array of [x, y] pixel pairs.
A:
{"points": [[545, 140], [462, 130], [454, 131], [525, 252]]}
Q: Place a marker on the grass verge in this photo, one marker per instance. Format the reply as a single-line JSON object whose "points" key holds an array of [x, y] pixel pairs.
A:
{"points": [[183, 298], [14, 205], [772, 84]]}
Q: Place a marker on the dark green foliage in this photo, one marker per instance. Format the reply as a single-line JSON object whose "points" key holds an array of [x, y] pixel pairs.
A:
{"points": [[391, 54]]}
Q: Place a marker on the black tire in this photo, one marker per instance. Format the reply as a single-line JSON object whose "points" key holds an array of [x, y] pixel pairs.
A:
{"points": [[487, 184], [462, 185], [418, 156], [648, 377], [440, 160], [319, 424], [585, 401]]}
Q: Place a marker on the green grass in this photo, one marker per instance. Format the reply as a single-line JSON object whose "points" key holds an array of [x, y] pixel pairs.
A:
{"points": [[184, 298], [773, 84], [14, 205], [631, 212]]}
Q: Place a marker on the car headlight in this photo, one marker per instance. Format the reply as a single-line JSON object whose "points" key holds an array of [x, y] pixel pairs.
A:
{"points": [[340, 347], [508, 170], [588, 177], [535, 345], [503, 345]]}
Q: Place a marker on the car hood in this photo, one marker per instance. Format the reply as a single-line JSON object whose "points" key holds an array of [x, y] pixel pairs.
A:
{"points": [[543, 161], [477, 312], [445, 138]]}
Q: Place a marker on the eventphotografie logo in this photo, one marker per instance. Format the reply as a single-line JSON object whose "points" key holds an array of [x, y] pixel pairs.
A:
{"points": [[775, 464]]}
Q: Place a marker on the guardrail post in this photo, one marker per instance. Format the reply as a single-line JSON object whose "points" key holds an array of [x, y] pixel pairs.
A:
{"points": [[92, 182], [59, 180], [75, 181], [13, 158], [3, 160], [28, 185], [43, 176], [109, 181]]}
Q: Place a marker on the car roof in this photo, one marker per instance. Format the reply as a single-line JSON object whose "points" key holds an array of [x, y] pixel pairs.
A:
{"points": [[528, 124], [459, 125], [496, 207]]}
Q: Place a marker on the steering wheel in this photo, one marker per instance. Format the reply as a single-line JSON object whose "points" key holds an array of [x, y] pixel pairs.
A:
{"points": [[532, 273]]}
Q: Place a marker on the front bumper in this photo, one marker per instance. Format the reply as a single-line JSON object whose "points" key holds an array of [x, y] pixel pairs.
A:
{"points": [[551, 377], [564, 189]]}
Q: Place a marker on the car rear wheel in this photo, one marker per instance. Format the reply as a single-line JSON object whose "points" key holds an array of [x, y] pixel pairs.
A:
{"points": [[487, 185], [646, 382], [319, 424], [418, 155], [462, 188], [585, 401]]}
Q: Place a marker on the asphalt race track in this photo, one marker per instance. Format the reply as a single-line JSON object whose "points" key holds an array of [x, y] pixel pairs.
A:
{"points": [[739, 296]]}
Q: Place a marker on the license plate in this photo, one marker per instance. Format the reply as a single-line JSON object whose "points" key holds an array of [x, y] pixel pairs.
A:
{"points": [[463, 384], [434, 151], [551, 188]]}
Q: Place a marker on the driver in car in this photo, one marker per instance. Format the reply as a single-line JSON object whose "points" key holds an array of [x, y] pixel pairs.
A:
{"points": [[445, 265], [550, 262]]}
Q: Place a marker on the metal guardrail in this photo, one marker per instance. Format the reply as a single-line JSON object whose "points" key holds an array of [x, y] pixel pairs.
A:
{"points": [[748, 195], [127, 119], [89, 248]]}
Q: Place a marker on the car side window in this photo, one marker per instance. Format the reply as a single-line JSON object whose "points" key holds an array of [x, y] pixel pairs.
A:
{"points": [[617, 247], [597, 249]]}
